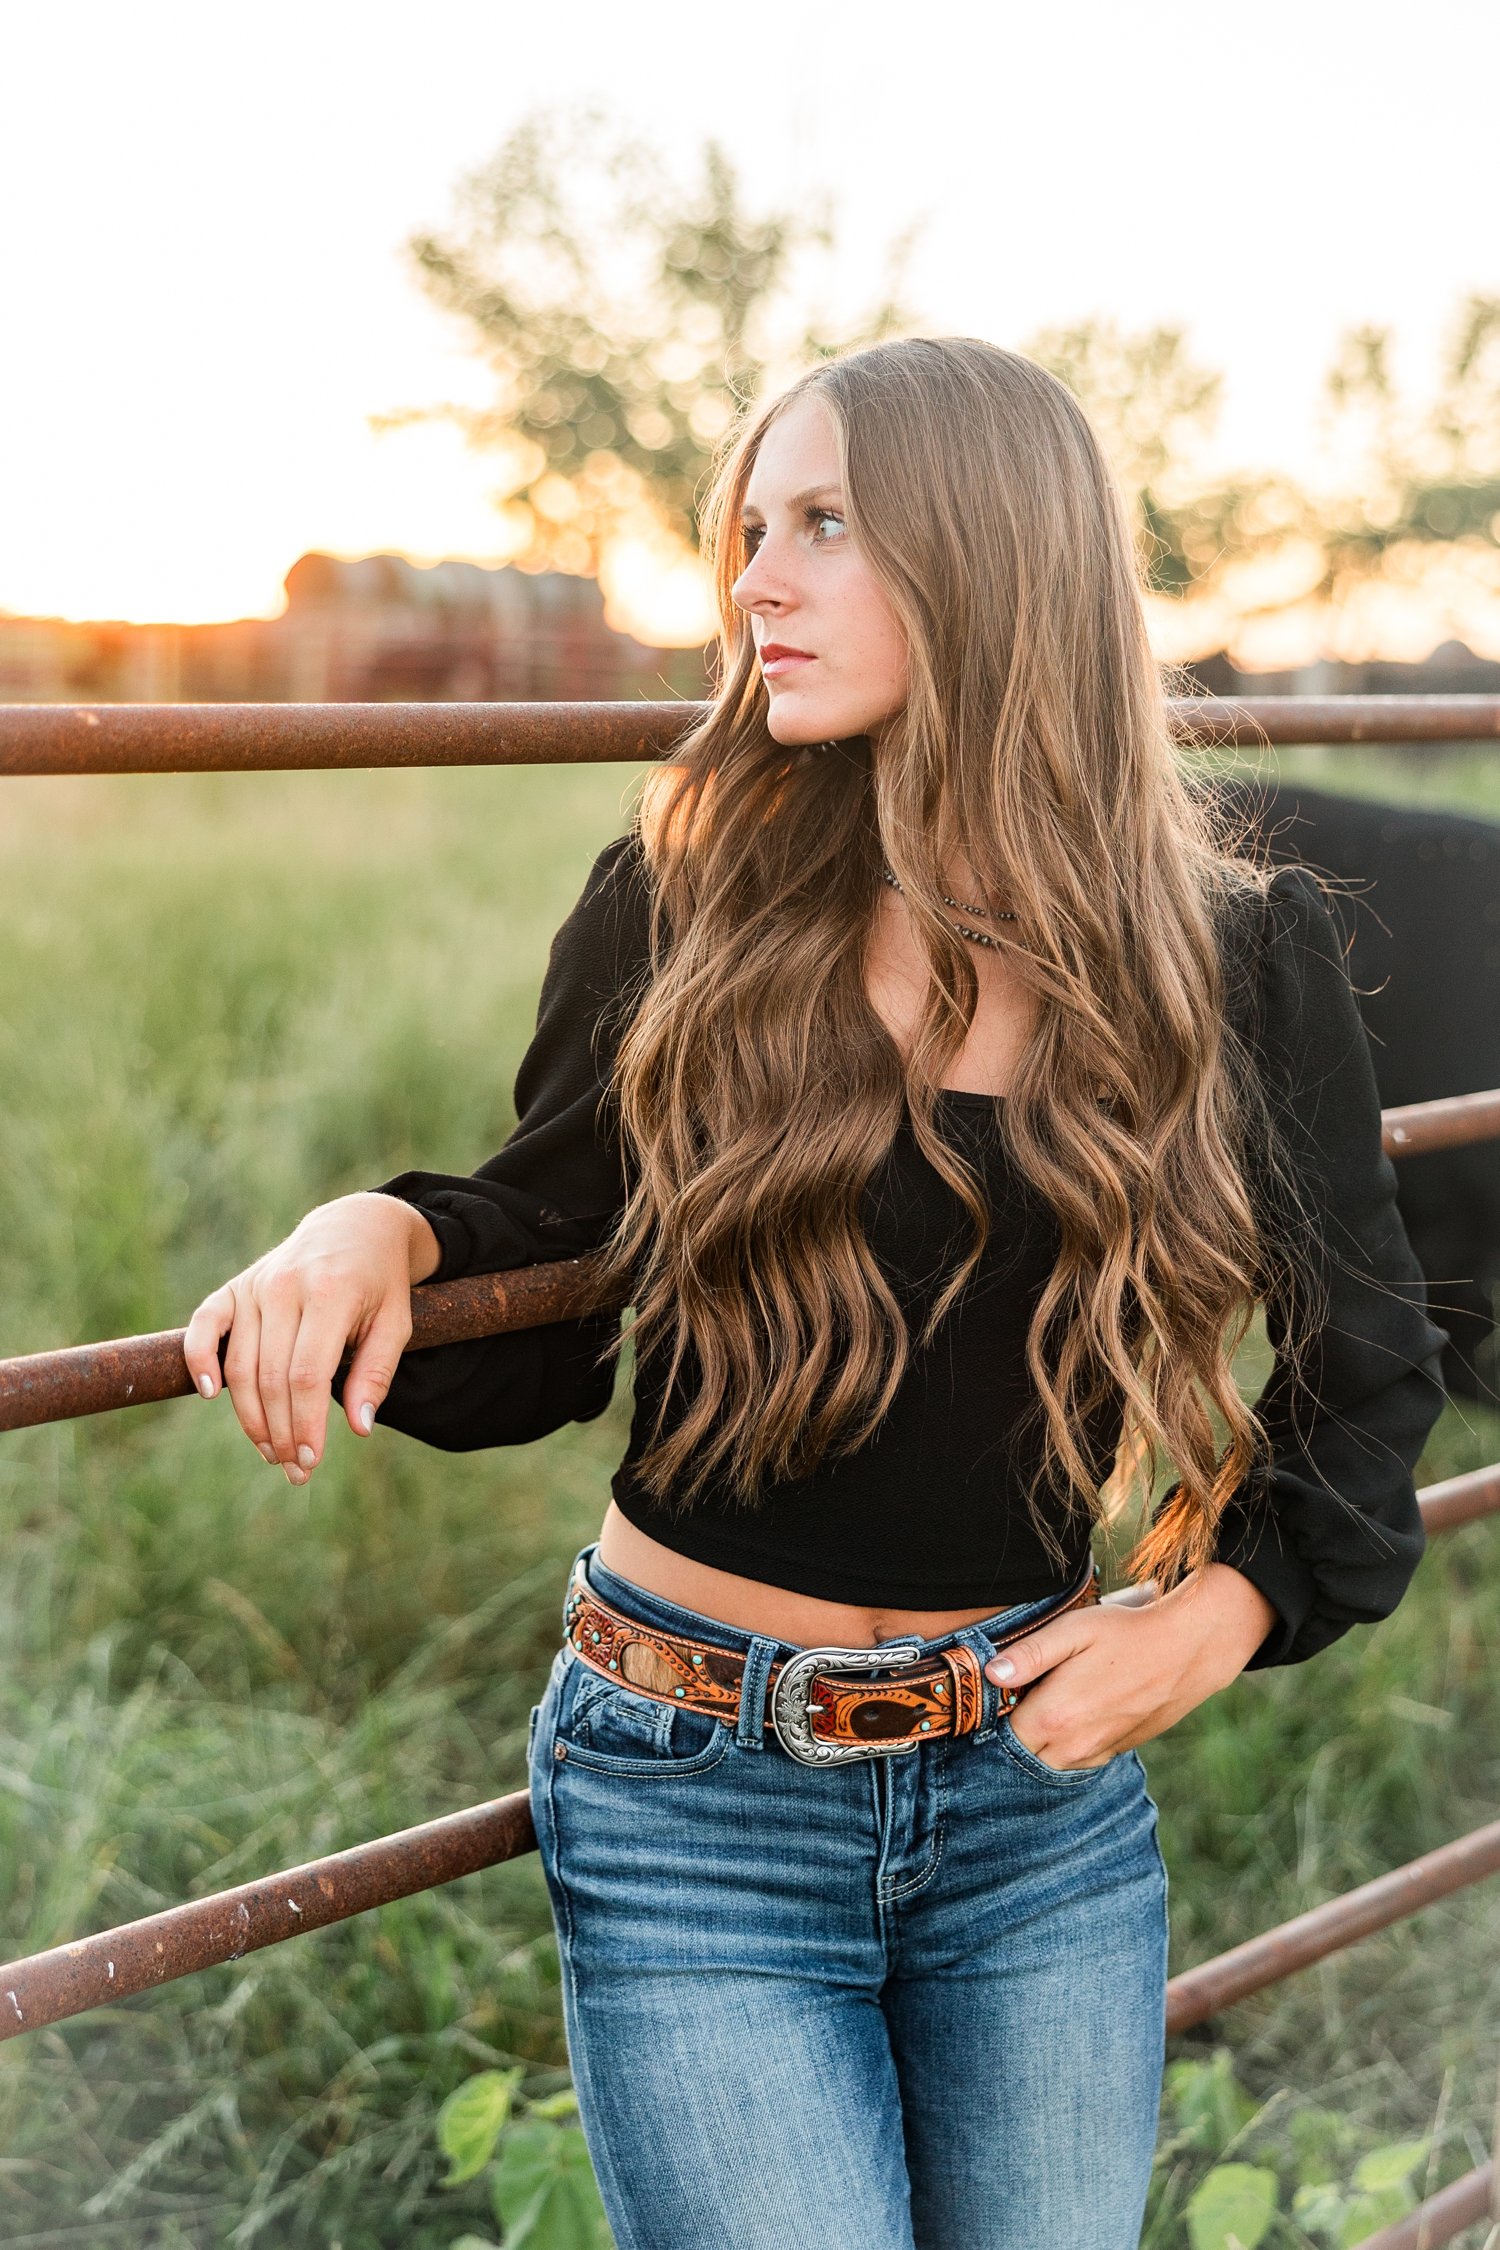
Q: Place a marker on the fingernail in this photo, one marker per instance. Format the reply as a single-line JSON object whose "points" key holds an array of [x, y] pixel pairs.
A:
{"points": [[367, 1417], [1001, 1668], [306, 1456], [295, 1476], [206, 1385], [267, 1453]]}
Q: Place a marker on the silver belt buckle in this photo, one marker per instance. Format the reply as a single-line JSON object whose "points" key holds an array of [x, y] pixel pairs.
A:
{"points": [[789, 1704]]}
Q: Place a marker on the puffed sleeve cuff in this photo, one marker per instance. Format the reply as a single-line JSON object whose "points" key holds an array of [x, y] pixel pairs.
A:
{"points": [[1253, 1540], [1323, 1560], [502, 1390], [494, 1231]]}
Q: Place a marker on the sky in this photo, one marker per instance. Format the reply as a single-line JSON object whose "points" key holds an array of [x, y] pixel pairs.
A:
{"points": [[207, 296]]}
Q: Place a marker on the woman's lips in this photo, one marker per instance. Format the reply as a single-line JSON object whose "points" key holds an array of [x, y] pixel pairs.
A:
{"points": [[777, 661]]}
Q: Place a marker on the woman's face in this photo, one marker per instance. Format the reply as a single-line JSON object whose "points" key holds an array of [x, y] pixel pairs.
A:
{"points": [[832, 654]]}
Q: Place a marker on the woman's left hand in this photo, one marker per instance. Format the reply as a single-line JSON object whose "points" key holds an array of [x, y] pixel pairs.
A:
{"points": [[1110, 1678]]}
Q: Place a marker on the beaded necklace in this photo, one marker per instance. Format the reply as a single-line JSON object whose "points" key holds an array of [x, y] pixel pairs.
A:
{"points": [[985, 913]]}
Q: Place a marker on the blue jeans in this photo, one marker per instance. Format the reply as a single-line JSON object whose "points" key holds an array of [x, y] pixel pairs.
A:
{"points": [[913, 2003]]}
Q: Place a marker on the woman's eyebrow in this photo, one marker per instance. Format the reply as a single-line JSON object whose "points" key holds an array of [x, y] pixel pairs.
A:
{"points": [[798, 499]]}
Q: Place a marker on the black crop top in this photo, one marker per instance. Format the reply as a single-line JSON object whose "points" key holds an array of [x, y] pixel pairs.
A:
{"points": [[931, 1513]]}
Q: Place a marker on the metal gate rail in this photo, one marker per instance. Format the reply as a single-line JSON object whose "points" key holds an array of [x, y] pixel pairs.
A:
{"points": [[95, 1378], [59, 738], [142, 1370], [1461, 2204]]}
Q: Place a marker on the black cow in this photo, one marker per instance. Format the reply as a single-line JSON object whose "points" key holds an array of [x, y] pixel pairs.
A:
{"points": [[1418, 897]]}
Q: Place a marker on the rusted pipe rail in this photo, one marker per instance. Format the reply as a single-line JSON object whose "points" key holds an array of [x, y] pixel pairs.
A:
{"points": [[46, 738], [209, 1931], [1463, 2203], [1288, 719], [1459, 1500], [51, 1986], [1278, 1953], [140, 1370], [56, 738], [206, 1933], [1452, 1122]]}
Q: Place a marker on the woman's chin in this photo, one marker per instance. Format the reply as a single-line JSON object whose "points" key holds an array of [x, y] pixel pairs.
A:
{"points": [[790, 722]]}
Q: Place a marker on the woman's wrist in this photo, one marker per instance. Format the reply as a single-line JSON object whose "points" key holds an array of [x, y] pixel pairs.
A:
{"points": [[425, 1250], [1242, 1616]]}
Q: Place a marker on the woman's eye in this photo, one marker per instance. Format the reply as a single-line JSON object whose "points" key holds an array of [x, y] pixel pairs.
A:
{"points": [[827, 526], [753, 534]]}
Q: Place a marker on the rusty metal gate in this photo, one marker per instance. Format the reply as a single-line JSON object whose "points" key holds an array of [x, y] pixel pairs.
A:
{"points": [[133, 1371]]}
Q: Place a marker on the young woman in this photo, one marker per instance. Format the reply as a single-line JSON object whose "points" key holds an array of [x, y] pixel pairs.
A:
{"points": [[948, 1102]]}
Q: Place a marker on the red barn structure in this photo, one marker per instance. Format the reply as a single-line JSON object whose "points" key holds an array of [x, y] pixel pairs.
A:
{"points": [[376, 630]]}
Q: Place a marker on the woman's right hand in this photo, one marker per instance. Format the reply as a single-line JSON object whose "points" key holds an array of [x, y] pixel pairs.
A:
{"points": [[343, 1278]]}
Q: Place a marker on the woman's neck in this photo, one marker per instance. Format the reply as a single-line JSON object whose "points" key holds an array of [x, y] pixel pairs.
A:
{"points": [[897, 979]]}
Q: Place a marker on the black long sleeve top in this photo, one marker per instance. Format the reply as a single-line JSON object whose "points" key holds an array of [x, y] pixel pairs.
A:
{"points": [[932, 1511]]}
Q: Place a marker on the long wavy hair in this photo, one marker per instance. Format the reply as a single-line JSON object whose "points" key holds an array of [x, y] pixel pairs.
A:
{"points": [[758, 1091]]}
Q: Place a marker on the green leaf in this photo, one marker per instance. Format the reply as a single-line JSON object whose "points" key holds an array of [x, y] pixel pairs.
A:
{"points": [[1367, 2214], [528, 2163], [471, 2121], [1390, 2167], [472, 2242], [1320, 2139], [1321, 2208], [1210, 2108], [564, 2104], [544, 2191], [1231, 2208]]}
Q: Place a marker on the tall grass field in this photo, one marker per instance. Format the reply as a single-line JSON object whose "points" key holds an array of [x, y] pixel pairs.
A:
{"points": [[223, 999]]}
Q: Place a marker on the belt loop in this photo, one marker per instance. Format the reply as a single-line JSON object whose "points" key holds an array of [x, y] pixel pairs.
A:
{"points": [[750, 1734], [981, 1646]]}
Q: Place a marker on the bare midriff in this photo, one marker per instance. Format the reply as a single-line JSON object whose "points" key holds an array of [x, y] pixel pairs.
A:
{"points": [[800, 1620]]}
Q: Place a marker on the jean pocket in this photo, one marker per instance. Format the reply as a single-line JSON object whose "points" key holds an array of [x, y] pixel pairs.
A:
{"points": [[1057, 1777], [609, 1729]]}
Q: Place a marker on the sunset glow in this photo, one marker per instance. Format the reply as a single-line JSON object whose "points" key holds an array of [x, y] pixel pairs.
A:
{"points": [[211, 306]]}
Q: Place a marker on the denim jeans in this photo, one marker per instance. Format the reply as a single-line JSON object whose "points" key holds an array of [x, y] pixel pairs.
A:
{"points": [[913, 2003]]}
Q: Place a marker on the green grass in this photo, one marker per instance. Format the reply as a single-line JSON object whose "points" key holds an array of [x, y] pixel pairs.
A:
{"points": [[221, 1000], [1456, 777]]}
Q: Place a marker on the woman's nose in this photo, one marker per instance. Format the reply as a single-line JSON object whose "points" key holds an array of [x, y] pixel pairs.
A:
{"points": [[759, 588]]}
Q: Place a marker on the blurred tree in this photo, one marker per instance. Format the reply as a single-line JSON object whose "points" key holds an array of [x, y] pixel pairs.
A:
{"points": [[1152, 405], [628, 319], [1407, 483], [631, 317], [1424, 477], [1145, 397]]}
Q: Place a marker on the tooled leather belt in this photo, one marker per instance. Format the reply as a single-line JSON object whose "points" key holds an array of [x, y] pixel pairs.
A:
{"points": [[818, 1714]]}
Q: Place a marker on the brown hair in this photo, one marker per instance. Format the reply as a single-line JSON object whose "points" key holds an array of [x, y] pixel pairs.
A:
{"points": [[758, 1091]]}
